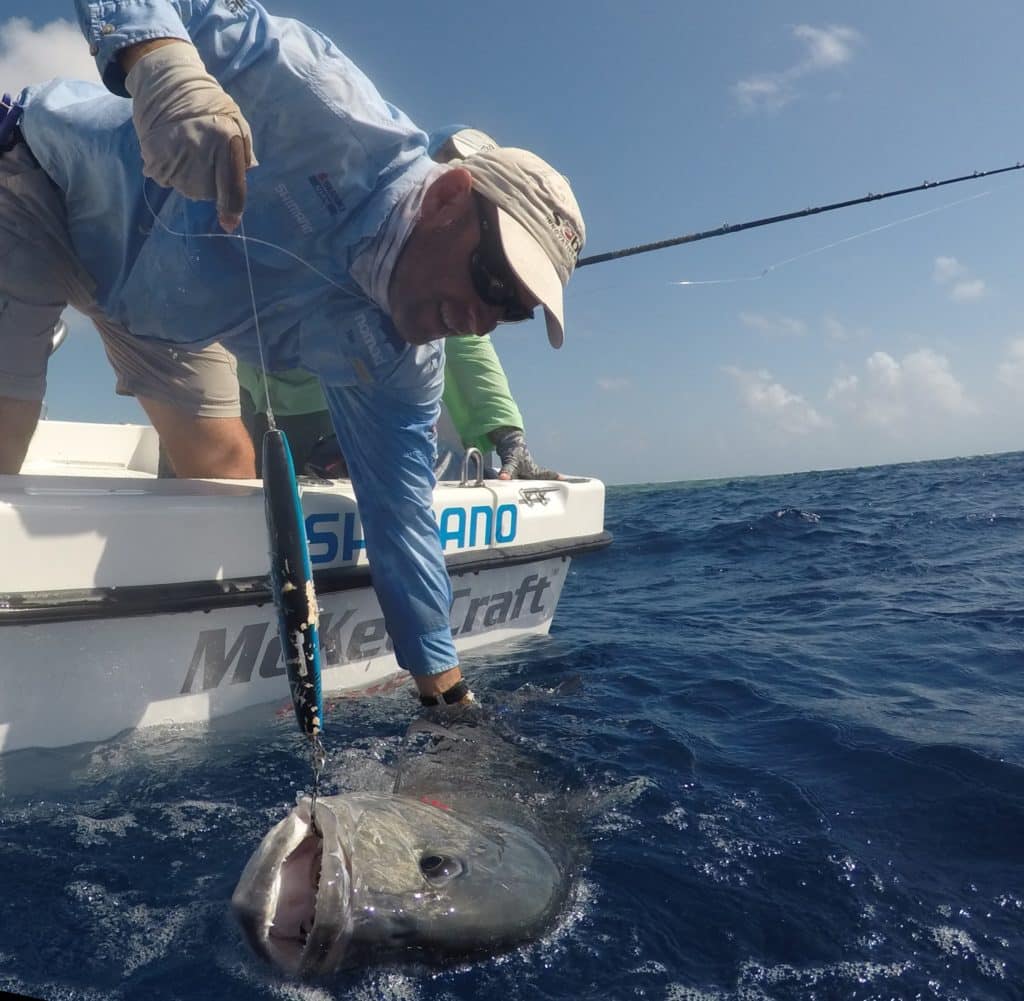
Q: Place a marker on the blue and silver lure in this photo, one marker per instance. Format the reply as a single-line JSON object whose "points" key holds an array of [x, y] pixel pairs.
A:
{"points": [[291, 579]]}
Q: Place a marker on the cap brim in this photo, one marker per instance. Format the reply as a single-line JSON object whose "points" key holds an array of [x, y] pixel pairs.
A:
{"points": [[534, 269]]}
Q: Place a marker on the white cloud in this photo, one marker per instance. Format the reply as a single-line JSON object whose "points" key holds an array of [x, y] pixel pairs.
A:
{"points": [[1011, 371], [949, 272], [772, 402], [842, 386], [31, 55], [835, 329], [965, 291], [884, 369], [930, 377], [827, 47], [613, 384], [824, 49], [898, 396], [763, 93], [774, 325], [947, 269]]}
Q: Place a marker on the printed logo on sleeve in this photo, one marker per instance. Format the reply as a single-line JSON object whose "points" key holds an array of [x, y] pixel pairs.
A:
{"points": [[300, 217], [327, 193]]}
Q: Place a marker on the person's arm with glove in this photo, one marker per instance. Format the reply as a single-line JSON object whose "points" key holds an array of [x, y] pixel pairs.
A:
{"points": [[516, 461], [480, 404], [193, 136]]}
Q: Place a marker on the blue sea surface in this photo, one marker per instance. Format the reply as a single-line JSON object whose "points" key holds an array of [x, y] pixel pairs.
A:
{"points": [[800, 716]]}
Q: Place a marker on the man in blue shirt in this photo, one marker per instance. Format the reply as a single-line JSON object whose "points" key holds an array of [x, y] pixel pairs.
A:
{"points": [[365, 254]]}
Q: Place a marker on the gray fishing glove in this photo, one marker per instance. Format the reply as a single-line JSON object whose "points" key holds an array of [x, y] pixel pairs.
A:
{"points": [[516, 461], [193, 136]]}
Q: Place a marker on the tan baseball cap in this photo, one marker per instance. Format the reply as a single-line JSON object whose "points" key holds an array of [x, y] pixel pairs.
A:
{"points": [[458, 142], [540, 222]]}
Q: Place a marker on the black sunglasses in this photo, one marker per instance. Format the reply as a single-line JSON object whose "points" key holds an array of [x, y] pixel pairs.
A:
{"points": [[492, 277]]}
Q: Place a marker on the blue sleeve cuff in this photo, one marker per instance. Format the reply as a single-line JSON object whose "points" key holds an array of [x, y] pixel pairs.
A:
{"points": [[428, 653], [112, 25]]}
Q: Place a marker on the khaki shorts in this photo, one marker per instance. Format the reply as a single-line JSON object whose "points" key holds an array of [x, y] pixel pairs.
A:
{"points": [[40, 276]]}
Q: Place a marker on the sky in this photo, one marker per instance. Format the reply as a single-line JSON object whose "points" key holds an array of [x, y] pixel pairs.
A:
{"points": [[883, 333]]}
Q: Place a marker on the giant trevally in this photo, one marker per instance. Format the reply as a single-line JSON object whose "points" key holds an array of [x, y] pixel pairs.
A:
{"points": [[468, 854]]}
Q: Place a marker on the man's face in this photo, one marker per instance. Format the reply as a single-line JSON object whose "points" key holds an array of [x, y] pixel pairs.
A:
{"points": [[450, 262]]}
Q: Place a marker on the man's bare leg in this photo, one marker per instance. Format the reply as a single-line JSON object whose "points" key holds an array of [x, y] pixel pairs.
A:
{"points": [[18, 419], [435, 685], [203, 446]]}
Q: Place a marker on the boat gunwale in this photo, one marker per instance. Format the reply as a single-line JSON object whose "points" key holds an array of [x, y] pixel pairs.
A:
{"points": [[18, 608]]}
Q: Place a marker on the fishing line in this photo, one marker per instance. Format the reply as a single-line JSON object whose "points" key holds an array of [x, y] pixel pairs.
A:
{"points": [[271, 424], [828, 246], [247, 239], [291, 573]]}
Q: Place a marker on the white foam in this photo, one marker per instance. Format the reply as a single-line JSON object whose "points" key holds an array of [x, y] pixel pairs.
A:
{"points": [[612, 804], [255, 974], [953, 941], [753, 975], [133, 935], [376, 985], [677, 818], [54, 992], [681, 992], [192, 816], [89, 831], [387, 986], [727, 858], [364, 769]]}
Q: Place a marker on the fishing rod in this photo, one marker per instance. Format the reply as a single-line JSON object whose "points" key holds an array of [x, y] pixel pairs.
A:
{"points": [[727, 228]]}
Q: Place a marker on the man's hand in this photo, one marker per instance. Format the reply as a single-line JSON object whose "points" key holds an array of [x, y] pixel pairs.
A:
{"points": [[516, 461], [193, 136]]}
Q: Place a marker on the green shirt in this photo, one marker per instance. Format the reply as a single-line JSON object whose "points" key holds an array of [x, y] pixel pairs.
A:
{"points": [[476, 391], [291, 393]]}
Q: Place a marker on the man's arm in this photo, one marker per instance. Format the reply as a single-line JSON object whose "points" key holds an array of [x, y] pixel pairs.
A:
{"points": [[388, 444], [476, 391], [114, 27], [193, 136], [481, 406]]}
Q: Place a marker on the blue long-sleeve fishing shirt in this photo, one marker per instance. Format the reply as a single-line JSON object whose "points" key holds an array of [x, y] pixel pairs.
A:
{"points": [[335, 158]]}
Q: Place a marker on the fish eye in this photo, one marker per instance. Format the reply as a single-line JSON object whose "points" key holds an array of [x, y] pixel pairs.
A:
{"points": [[440, 868]]}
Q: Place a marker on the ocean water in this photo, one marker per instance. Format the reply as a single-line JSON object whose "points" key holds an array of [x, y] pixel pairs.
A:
{"points": [[801, 714]]}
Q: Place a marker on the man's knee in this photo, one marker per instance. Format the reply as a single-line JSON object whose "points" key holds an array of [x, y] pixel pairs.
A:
{"points": [[220, 447], [18, 419], [203, 446]]}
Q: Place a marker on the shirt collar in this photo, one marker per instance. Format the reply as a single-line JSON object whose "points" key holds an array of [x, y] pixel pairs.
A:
{"points": [[372, 269]]}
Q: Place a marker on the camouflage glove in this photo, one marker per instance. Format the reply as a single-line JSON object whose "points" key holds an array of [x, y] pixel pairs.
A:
{"points": [[516, 461], [193, 136]]}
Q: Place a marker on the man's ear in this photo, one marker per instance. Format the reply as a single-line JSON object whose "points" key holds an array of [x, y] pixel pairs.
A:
{"points": [[447, 197]]}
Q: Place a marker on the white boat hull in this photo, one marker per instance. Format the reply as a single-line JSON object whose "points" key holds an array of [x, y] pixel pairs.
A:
{"points": [[129, 601], [87, 680]]}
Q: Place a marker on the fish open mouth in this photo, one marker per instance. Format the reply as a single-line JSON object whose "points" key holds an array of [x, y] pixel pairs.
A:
{"points": [[294, 898], [295, 909]]}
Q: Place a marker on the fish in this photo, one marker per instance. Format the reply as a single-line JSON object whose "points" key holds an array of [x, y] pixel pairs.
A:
{"points": [[469, 854]]}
